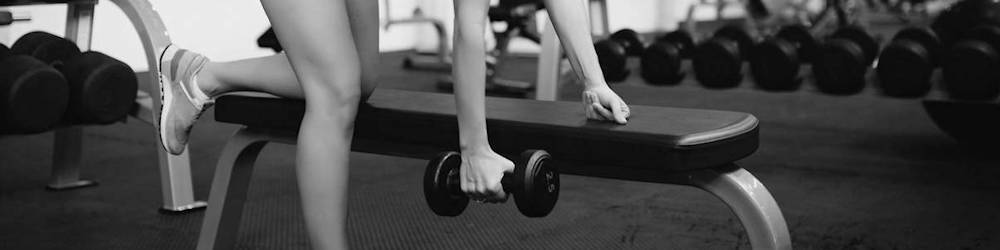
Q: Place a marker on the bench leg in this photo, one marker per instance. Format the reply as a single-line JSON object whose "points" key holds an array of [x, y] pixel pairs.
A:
{"points": [[752, 203], [66, 159], [229, 190]]}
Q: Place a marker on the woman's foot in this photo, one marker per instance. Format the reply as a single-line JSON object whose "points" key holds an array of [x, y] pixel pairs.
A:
{"points": [[183, 101]]}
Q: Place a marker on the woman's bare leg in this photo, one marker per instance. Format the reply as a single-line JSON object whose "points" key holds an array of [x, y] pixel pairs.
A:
{"points": [[365, 27], [274, 75], [327, 65]]}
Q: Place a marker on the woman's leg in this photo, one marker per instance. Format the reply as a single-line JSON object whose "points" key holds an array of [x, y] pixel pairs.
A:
{"points": [[365, 27], [274, 75], [327, 65]]}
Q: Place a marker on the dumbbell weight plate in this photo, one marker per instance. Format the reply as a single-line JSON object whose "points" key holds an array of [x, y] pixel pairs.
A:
{"points": [[808, 47], [538, 191], [34, 96], [612, 57], [718, 64], [775, 66], [970, 71], [681, 39], [841, 68], [858, 35], [904, 69], [661, 64], [48, 48], [923, 36], [442, 187], [630, 40], [737, 34], [102, 89]]}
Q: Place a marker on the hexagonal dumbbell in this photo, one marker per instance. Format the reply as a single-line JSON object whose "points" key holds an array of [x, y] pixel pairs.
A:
{"points": [[33, 94], [843, 61], [661, 62], [971, 67], [613, 53], [905, 65], [534, 184], [775, 63], [102, 89], [718, 62]]}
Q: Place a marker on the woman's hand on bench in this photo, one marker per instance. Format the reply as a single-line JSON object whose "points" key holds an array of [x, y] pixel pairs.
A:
{"points": [[602, 103]]}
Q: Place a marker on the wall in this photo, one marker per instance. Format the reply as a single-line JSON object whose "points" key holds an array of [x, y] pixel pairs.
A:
{"points": [[227, 29], [221, 29]]}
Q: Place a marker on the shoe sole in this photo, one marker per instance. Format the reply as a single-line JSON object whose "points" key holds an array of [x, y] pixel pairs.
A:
{"points": [[166, 102]]}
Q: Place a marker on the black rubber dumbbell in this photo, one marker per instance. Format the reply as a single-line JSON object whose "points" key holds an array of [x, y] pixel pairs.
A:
{"points": [[776, 62], [843, 61], [33, 95], [718, 62], [906, 65], [102, 89], [661, 62], [534, 184], [46, 47], [613, 53], [971, 67]]}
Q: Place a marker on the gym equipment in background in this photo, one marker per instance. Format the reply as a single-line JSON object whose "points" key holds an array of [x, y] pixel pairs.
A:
{"points": [[718, 62], [662, 62], [613, 53], [843, 61], [906, 65], [776, 62], [971, 67]]}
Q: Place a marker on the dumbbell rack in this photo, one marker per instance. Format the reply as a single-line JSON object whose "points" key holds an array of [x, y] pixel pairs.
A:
{"points": [[175, 170]]}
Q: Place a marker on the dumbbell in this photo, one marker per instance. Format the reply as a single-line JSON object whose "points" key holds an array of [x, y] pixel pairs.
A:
{"points": [[718, 62], [775, 63], [534, 184], [613, 53], [971, 67], [843, 61], [905, 65], [33, 95], [102, 89], [661, 62]]}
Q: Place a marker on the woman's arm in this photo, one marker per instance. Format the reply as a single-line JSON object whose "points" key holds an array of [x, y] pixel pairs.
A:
{"points": [[569, 17], [482, 168]]}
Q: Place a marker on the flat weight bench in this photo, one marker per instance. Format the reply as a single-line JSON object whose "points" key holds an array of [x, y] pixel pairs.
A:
{"points": [[662, 145]]}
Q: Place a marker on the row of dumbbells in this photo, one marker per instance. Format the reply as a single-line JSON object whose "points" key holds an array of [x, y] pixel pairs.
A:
{"points": [[839, 65], [47, 82]]}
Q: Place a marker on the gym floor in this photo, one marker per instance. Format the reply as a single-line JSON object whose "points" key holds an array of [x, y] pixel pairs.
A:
{"points": [[857, 172]]}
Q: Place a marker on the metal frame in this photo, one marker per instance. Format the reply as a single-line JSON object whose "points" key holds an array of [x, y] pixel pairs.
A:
{"points": [[745, 195], [175, 170]]}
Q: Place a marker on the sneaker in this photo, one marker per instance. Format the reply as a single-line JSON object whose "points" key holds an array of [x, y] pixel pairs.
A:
{"points": [[182, 101]]}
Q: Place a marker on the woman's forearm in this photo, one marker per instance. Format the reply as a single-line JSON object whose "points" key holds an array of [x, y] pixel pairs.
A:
{"points": [[569, 17], [469, 71]]}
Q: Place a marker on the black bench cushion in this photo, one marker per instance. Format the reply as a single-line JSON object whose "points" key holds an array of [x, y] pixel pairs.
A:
{"points": [[419, 124]]}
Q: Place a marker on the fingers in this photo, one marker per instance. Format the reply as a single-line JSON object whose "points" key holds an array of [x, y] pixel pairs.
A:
{"points": [[604, 113], [488, 193], [484, 185], [620, 110]]}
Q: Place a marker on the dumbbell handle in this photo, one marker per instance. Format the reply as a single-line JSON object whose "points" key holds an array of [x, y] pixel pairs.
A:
{"points": [[455, 182]]}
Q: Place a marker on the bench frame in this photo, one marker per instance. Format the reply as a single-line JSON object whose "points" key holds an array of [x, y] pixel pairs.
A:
{"points": [[745, 195]]}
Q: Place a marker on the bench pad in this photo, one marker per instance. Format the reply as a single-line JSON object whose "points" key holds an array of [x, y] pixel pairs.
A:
{"points": [[420, 124]]}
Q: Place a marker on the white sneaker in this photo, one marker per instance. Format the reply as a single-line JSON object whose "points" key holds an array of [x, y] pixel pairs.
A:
{"points": [[182, 101]]}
